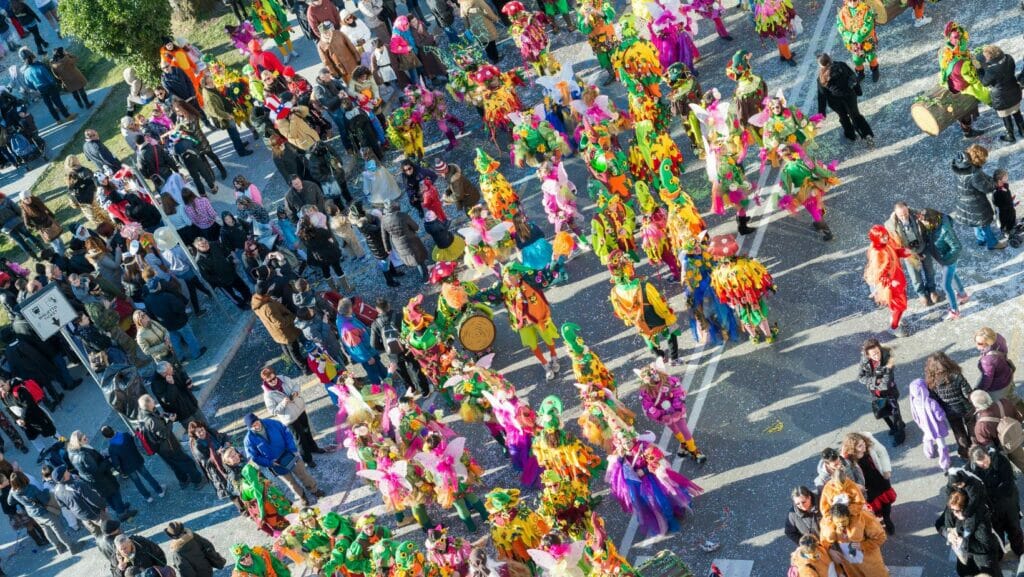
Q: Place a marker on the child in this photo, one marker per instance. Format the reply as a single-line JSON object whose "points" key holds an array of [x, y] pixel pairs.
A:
{"points": [[1003, 199], [247, 189], [380, 64], [931, 419], [286, 232]]}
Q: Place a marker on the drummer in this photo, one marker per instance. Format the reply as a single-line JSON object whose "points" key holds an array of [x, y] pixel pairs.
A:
{"points": [[529, 314], [384, 337]]}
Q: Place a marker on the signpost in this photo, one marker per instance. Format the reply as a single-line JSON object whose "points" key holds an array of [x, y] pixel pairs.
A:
{"points": [[48, 312]]}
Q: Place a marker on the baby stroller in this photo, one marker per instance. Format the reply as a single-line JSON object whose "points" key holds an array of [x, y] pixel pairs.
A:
{"points": [[1016, 236], [23, 148]]}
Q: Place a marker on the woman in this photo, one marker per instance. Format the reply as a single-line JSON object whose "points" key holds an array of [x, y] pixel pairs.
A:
{"points": [[804, 518], [40, 505], [154, 339], [65, 69], [970, 536], [81, 183], [107, 265], [811, 558], [322, 251], [1003, 89], [287, 159], [947, 383], [369, 226], [32, 419], [858, 539], [876, 373], [479, 16], [201, 213], [339, 224], [874, 463], [973, 187], [97, 471], [448, 247], [11, 224], [995, 366], [39, 218], [839, 87], [944, 246], [399, 232], [29, 21], [283, 398], [177, 218], [206, 444], [188, 119], [534, 249]]}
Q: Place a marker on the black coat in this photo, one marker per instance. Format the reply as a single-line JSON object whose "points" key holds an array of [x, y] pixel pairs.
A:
{"points": [[232, 238], [998, 75], [95, 469], [155, 163], [158, 432], [37, 422], [215, 265], [29, 362], [140, 211], [100, 155], [80, 499], [194, 556], [999, 483], [166, 306], [178, 84], [321, 247], [972, 189], [146, 554], [399, 231], [800, 523], [983, 547], [369, 226], [175, 397], [290, 162], [123, 454], [839, 90]]}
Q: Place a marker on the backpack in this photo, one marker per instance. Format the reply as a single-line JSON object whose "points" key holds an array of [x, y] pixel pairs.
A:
{"points": [[33, 389], [21, 146], [1008, 430], [389, 336]]}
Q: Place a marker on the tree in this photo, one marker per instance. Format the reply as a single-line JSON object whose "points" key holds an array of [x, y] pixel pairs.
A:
{"points": [[128, 32]]}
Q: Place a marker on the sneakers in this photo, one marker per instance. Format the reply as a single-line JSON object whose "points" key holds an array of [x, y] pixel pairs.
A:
{"points": [[161, 494], [951, 315], [549, 373], [554, 365], [898, 331], [963, 298], [923, 21], [149, 499], [999, 245]]}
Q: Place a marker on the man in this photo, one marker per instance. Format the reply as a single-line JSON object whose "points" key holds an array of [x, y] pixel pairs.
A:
{"points": [[337, 52], [996, 473], [173, 389], [355, 339], [29, 362], [905, 225], [270, 445], [303, 192], [19, 397], [356, 30], [105, 543], [856, 24], [98, 153], [128, 462], [156, 429], [987, 422], [39, 77], [328, 92], [280, 324], [80, 499], [384, 338], [170, 310], [154, 162], [461, 191], [135, 554], [221, 112], [177, 83], [320, 11], [218, 268], [411, 177]]}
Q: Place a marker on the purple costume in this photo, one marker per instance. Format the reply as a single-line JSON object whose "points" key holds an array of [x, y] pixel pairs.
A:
{"points": [[931, 419]]}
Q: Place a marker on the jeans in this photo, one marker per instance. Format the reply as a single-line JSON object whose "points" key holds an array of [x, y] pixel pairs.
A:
{"points": [[51, 98], [236, 139], [116, 502], [183, 467], [62, 369], [376, 372], [182, 338], [922, 274], [338, 116], [950, 277], [28, 242], [381, 137], [295, 354], [984, 235], [81, 98], [139, 475]]}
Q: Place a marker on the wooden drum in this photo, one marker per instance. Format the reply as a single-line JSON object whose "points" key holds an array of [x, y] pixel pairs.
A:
{"points": [[476, 332], [885, 10], [938, 108]]}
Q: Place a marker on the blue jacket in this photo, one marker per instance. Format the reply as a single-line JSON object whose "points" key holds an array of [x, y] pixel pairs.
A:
{"points": [[123, 454], [33, 499], [38, 76], [362, 352], [945, 246], [166, 306], [266, 450]]}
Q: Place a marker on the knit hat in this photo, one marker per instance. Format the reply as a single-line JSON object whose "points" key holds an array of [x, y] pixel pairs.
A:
{"points": [[440, 167], [250, 419]]}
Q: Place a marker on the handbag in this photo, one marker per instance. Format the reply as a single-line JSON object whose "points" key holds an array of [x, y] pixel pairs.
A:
{"points": [[284, 465], [881, 407]]}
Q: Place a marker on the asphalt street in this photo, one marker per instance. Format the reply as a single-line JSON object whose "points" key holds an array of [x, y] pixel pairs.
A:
{"points": [[761, 413]]}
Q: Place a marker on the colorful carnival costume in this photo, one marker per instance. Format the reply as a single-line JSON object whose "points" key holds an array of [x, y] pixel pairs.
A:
{"points": [[587, 367], [560, 91], [639, 69], [405, 131], [601, 411], [804, 184], [264, 502], [596, 19], [556, 450], [684, 91], [783, 124], [594, 110], [958, 72], [529, 313], [559, 199], [306, 542], [256, 562], [470, 384], [235, 87], [664, 400], [639, 304], [402, 485], [501, 200], [270, 20], [613, 227], [369, 536], [514, 528], [776, 19], [519, 425], [186, 57], [495, 94], [430, 104], [655, 241], [884, 274], [712, 10], [527, 30], [557, 559], [725, 147], [488, 241], [448, 555], [534, 140], [710, 320], [565, 504], [601, 555], [607, 163], [742, 283], [751, 90], [649, 150], [342, 532], [672, 31], [645, 485], [425, 342], [453, 472], [856, 25]]}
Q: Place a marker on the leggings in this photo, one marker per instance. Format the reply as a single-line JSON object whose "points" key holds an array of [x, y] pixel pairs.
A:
{"points": [[950, 278], [328, 266]]}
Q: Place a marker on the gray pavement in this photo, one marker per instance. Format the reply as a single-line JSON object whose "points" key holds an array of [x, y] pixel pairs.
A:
{"points": [[761, 413]]}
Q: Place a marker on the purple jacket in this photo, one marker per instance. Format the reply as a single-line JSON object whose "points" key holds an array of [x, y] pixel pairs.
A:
{"points": [[995, 367], [927, 412]]}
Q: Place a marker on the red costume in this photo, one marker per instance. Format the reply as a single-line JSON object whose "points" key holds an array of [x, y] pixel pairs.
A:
{"points": [[884, 273]]}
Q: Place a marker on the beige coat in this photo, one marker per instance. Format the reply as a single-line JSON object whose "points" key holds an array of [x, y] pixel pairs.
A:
{"points": [[66, 70], [296, 130], [154, 340], [338, 53], [276, 318], [479, 16]]}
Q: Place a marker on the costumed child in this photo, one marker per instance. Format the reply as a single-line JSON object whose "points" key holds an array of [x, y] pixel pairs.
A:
{"points": [[425, 343], [711, 321], [884, 275], [529, 313], [304, 542], [557, 450], [402, 484], [712, 10], [749, 95], [560, 91], [723, 163], [638, 303], [599, 116], [777, 19], [265, 504], [369, 536], [685, 90], [644, 483], [672, 32], [743, 283], [257, 562], [502, 202], [613, 226], [599, 407], [856, 25], [804, 183], [406, 133], [468, 384], [432, 105], [565, 505], [639, 69], [452, 473], [269, 19], [664, 400], [514, 527], [931, 419], [241, 36], [654, 237], [448, 555], [958, 72], [596, 19], [527, 30], [783, 124], [341, 530], [534, 140], [559, 199]]}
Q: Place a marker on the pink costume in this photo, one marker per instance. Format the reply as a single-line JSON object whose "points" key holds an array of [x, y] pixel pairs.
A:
{"points": [[431, 105], [242, 35], [655, 242], [517, 420], [559, 198], [671, 32], [712, 10]]}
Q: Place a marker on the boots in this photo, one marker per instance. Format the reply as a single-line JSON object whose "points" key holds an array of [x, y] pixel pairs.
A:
{"points": [[742, 223], [1019, 119], [389, 277], [899, 435], [1008, 125], [822, 227], [874, 73]]}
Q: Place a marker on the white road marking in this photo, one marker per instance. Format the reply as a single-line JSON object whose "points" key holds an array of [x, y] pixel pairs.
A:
{"points": [[734, 567], [906, 571]]}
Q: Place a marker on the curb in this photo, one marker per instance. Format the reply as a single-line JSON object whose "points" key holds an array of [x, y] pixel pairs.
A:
{"points": [[222, 363]]}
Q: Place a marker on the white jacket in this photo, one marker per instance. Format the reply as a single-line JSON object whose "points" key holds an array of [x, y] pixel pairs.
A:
{"points": [[281, 404], [878, 454]]}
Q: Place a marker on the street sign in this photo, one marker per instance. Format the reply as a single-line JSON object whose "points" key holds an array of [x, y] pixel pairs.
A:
{"points": [[47, 311]]}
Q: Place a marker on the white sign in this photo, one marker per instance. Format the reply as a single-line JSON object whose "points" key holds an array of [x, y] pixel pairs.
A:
{"points": [[47, 311]]}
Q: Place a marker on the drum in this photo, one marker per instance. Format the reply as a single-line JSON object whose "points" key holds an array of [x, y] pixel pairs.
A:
{"points": [[476, 332], [938, 108], [886, 10]]}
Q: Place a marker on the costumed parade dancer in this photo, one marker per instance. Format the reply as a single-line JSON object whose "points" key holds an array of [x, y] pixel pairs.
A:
{"points": [[527, 30], [305, 542], [425, 342], [257, 562], [776, 19], [559, 199], [748, 97], [265, 504], [452, 472], [645, 485], [639, 304], [470, 384], [664, 400], [684, 91], [514, 528], [519, 425], [529, 313], [723, 163], [711, 321], [534, 140], [743, 283], [712, 10], [430, 104], [405, 132], [270, 20], [884, 274], [783, 124], [488, 241], [596, 19], [587, 368], [672, 32], [804, 184], [613, 227], [639, 69], [565, 505], [958, 71], [856, 24], [557, 450], [495, 94], [448, 555], [502, 202]]}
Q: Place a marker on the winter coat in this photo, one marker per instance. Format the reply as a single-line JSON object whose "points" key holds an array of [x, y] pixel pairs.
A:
{"points": [[317, 331], [29, 362], [216, 266], [981, 544], [281, 404], [338, 53], [290, 162], [166, 306], [399, 232], [177, 82], [123, 454], [954, 394], [800, 523], [1000, 486], [479, 16], [442, 12], [155, 163], [232, 238], [311, 194], [145, 555], [905, 236], [192, 555], [987, 432], [159, 433], [32, 499], [927, 412], [878, 379], [153, 339], [21, 404], [66, 70], [972, 189], [369, 227], [122, 387], [1003, 88], [10, 215], [296, 130], [175, 397], [839, 90], [276, 318], [994, 365], [321, 247], [810, 567], [943, 243], [267, 449], [38, 217], [866, 531], [218, 108], [100, 155], [461, 190], [326, 11], [95, 469], [80, 499]]}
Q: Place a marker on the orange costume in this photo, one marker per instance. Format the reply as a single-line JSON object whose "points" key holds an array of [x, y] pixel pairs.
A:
{"points": [[884, 273], [187, 59]]}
